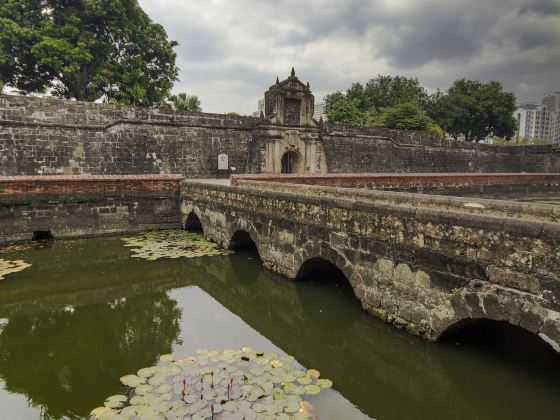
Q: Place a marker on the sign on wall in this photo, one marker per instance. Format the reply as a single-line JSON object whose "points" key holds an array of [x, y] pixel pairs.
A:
{"points": [[223, 162]]}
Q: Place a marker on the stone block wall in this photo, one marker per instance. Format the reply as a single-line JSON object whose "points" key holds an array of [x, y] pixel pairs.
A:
{"points": [[45, 136], [74, 206], [41, 136], [363, 149]]}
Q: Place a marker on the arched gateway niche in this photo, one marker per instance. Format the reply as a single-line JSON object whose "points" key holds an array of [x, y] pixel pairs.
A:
{"points": [[292, 162]]}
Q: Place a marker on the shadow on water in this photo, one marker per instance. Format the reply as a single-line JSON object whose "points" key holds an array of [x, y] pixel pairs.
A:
{"points": [[68, 359]]}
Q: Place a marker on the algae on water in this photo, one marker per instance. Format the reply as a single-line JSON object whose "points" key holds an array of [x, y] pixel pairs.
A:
{"points": [[171, 244], [228, 384]]}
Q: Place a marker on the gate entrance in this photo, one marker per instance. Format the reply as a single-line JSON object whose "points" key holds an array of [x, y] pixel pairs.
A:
{"points": [[291, 163]]}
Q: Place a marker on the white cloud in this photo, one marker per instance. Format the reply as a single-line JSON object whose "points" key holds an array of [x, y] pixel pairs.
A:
{"points": [[231, 50]]}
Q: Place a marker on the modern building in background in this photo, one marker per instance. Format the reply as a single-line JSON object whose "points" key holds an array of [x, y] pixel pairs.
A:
{"points": [[320, 111], [539, 121]]}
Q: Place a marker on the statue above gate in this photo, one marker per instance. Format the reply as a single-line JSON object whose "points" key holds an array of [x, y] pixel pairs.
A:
{"points": [[290, 102]]}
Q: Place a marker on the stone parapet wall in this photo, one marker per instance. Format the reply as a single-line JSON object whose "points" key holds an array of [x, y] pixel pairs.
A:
{"points": [[47, 112], [421, 268], [489, 185], [87, 205], [467, 205], [366, 149]]}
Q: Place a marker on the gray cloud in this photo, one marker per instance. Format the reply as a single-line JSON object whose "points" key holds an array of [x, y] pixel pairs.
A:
{"points": [[231, 51]]}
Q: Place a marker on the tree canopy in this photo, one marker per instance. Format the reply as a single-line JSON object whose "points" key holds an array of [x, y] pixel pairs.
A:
{"points": [[184, 102], [85, 50], [475, 110], [471, 110]]}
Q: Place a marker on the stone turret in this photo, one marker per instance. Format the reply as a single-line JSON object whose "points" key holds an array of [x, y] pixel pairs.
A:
{"points": [[290, 102]]}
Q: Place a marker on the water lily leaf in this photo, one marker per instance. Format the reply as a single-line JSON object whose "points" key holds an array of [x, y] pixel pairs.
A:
{"points": [[99, 410], [9, 267], [324, 383], [132, 380], [217, 381], [304, 380], [147, 372], [312, 389]]}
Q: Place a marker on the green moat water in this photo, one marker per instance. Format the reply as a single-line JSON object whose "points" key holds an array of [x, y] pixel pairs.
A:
{"points": [[85, 314]]}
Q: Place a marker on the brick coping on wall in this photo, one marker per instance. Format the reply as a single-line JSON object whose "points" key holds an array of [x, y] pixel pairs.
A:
{"points": [[79, 184], [57, 178], [404, 179]]}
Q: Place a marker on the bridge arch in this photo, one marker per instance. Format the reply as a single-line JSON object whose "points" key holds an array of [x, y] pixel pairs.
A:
{"points": [[508, 341], [469, 329], [241, 239], [193, 223]]}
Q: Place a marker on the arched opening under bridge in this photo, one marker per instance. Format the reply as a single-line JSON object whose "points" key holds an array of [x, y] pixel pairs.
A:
{"points": [[242, 239], [193, 224], [508, 343], [327, 295]]}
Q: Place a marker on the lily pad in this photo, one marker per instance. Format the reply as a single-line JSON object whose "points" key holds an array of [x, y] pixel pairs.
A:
{"points": [[219, 385], [9, 267], [174, 243]]}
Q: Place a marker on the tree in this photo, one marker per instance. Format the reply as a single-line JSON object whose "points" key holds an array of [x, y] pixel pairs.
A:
{"points": [[341, 109], [362, 103], [407, 116], [475, 110], [86, 49], [184, 102]]}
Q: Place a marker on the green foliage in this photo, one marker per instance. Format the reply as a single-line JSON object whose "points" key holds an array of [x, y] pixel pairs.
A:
{"points": [[387, 92], [469, 109], [341, 109], [407, 116], [474, 110], [184, 102], [233, 114], [86, 49]]}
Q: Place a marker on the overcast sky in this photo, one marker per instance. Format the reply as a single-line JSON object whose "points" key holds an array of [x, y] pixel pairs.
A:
{"points": [[230, 51]]}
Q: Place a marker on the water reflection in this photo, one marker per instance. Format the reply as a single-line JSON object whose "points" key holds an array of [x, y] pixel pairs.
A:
{"points": [[64, 360], [124, 314]]}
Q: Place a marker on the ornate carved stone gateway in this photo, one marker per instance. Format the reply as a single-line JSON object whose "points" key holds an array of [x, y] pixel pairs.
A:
{"points": [[290, 102], [292, 142]]}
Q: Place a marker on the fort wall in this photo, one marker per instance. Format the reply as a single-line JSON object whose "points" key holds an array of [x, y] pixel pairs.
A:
{"points": [[43, 136], [75, 206]]}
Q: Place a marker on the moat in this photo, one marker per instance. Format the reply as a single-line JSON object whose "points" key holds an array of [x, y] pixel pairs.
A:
{"points": [[86, 313]]}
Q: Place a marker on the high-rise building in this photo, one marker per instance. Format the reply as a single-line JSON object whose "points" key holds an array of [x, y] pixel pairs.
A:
{"points": [[540, 122], [551, 101], [320, 111]]}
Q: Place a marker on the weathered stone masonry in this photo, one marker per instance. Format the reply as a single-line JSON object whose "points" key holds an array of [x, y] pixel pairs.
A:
{"points": [[41, 136], [72, 206], [423, 268]]}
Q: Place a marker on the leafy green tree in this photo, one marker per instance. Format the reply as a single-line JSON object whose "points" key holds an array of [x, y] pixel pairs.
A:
{"points": [[184, 102], [343, 110], [407, 116], [474, 110], [86, 49], [360, 104]]}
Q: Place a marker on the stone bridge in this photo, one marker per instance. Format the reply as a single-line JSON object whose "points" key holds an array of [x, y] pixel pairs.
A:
{"points": [[426, 263]]}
